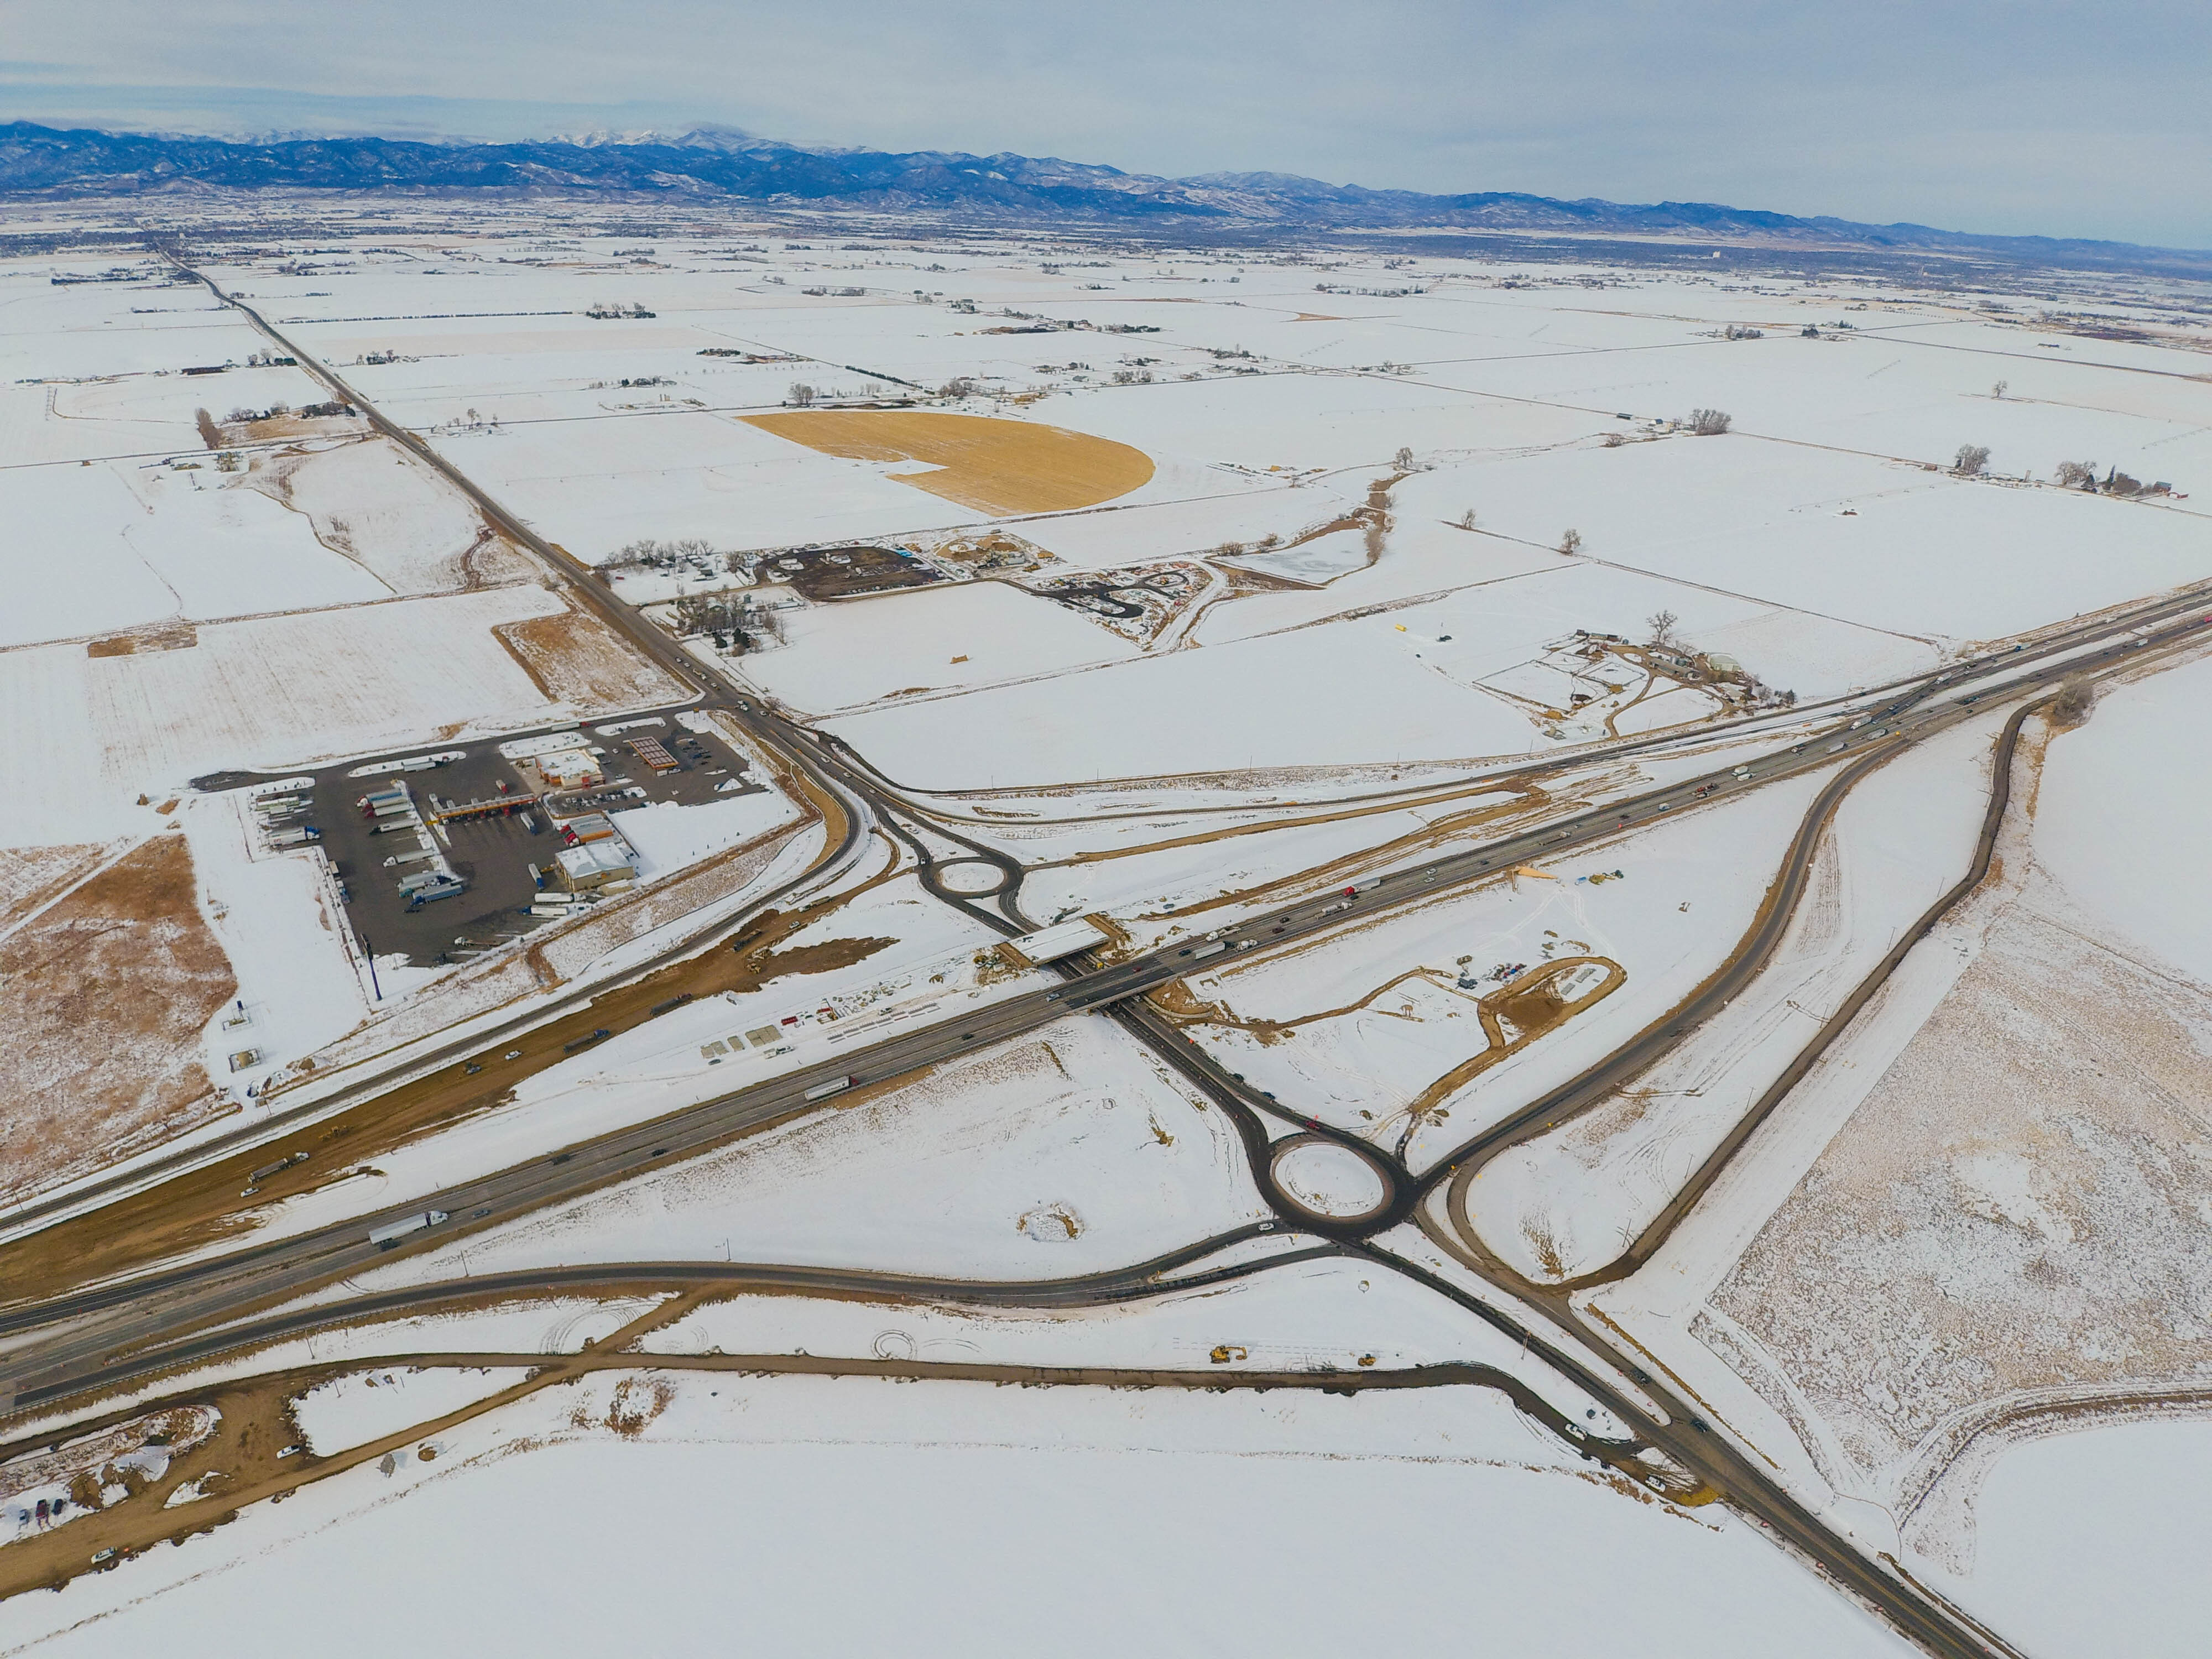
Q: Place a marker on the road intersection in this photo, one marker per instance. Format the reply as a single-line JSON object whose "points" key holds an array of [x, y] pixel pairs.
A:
{"points": [[95, 1336]]}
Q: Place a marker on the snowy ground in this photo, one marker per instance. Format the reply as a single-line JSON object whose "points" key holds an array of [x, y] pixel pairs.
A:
{"points": [[2090, 1540], [938, 1515], [2138, 753]]}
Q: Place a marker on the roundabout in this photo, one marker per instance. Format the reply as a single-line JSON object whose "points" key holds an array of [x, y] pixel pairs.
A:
{"points": [[1328, 1181], [973, 878]]}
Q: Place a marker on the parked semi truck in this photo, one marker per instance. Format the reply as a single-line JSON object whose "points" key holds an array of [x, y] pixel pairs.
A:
{"points": [[387, 1236], [440, 889]]}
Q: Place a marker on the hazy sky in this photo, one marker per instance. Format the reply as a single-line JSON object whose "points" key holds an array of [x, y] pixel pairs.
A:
{"points": [[2035, 116]]}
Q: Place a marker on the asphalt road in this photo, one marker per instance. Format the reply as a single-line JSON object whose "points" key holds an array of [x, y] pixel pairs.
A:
{"points": [[136, 1311], [1155, 1277]]}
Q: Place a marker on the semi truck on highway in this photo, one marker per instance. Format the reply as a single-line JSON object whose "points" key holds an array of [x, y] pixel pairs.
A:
{"points": [[835, 1085], [387, 1236]]}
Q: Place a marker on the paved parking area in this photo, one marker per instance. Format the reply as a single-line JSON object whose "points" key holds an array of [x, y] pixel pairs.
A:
{"points": [[493, 853]]}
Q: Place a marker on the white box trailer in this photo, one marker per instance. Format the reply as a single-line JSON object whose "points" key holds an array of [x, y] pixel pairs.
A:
{"points": [[1061, 940], [387, 1236]]}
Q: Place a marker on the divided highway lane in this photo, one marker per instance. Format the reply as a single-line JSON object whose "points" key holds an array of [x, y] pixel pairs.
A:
{"points": [[114, 1316]]}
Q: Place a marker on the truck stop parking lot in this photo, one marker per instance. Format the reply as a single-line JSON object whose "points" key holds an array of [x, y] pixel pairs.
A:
{"points": [[492, 851]]}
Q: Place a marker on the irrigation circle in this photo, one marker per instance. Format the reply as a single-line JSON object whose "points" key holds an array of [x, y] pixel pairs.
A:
{"points": [[1328, 1179]]}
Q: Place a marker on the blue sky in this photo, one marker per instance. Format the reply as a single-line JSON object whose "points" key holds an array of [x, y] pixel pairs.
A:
{"points": [[2021, 116]]}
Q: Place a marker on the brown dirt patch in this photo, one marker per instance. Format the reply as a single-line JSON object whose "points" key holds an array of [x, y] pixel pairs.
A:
{"points": [[29, 875], [175, 636], [854, 571], [107, 993], [995, 467], [205, 1205], [242, 1462], [2016, 1207], [573, 658]]}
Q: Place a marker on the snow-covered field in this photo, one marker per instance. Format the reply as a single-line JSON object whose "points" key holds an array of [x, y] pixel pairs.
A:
{"points": [[91, 733], [860, 1516], [1402, 550]]}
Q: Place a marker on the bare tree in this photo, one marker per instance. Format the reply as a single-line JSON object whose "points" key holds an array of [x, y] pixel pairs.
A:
{"points": [[1999, 389], [2076, 698], [1709, 422], [801, 394], [1571, 542], [1467, 520], [1404, 462], [2076, 475], [1972, 459], [1661, 624]]}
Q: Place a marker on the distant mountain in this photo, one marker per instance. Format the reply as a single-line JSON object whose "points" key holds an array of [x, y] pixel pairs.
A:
{"points": [[37, 162]]}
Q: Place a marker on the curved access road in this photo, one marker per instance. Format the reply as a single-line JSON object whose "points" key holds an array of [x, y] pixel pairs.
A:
{"points": [[107, 1366], [1663, 1225]]}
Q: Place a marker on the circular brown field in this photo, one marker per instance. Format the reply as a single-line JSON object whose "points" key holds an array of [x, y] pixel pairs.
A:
{"points": [[995, 467]]}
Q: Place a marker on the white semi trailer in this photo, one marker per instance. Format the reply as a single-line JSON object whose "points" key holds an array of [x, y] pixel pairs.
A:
{"points": [[387, 1236]]}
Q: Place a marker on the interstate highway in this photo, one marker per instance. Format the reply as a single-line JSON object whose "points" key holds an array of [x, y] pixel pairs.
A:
{"points": [[173, 1300]]}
